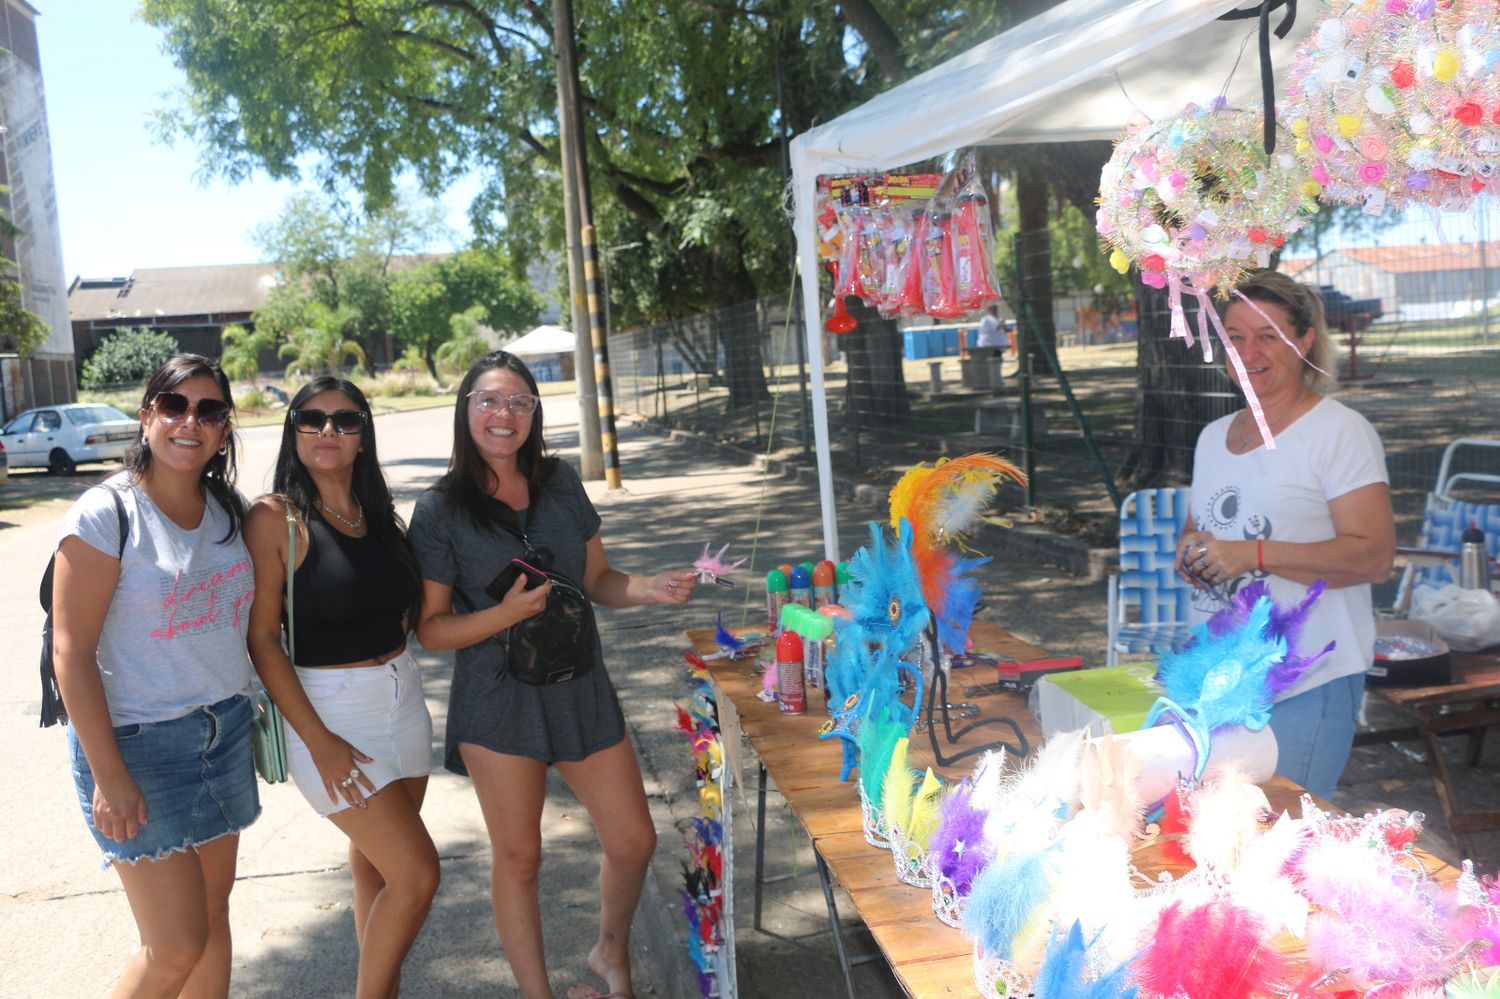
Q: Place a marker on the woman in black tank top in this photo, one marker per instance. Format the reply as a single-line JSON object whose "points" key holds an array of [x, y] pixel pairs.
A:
{"points": [[359, 739]]}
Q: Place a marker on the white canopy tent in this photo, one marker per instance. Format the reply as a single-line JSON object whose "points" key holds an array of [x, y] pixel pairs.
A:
{"points": [[543, 340], [1079, 71]]}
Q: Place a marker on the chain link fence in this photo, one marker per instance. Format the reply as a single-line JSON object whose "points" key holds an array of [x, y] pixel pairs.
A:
{"points": [[1415, 314]]}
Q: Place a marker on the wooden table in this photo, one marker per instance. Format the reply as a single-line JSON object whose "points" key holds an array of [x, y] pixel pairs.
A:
{"points": [[927, 957], [1467, 706]]}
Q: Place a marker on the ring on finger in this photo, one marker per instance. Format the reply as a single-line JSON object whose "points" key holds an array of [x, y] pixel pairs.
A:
{"points": [[354, 775], [347, 782]]}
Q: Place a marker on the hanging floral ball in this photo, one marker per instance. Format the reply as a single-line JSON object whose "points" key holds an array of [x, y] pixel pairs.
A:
{"points": [[1398, 101], [1195, 196]]}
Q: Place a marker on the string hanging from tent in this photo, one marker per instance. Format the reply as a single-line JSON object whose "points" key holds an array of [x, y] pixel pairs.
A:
{"points": [[1267, 71]]}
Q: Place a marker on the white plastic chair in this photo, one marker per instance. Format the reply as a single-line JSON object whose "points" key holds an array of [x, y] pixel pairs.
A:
{"points": [[1148, 601]]}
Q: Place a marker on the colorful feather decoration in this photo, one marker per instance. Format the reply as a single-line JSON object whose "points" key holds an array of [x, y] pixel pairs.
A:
{"points": [[925, 810], [1375, 916], [1221, 679], [1285, 622], [1064, 972], [1481, 984], [877, 741], [1212, 951], [903, 491], [1110, 787], [1025, 809], [1226, 816], [957, 846], [900, 786], [1007, 900]]}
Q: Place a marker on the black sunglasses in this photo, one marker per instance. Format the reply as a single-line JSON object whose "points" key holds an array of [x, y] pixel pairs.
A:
{"points": [[346, 422], [174, 406]]}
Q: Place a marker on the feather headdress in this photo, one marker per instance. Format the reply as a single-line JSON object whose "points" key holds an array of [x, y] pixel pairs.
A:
{"points": [[1284, 622], [1008, 901], [942, 504], [925, 810], [1212, 951], [957, 847], [900, 785], [877, 742], [1024, 809], [1221, 679], [1064, 972]]}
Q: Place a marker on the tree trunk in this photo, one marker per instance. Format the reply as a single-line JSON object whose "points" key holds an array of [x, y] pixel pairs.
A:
{"points": [[427, 355], [1034, 250], [1177, 394], [735, 327], [877, 380]]}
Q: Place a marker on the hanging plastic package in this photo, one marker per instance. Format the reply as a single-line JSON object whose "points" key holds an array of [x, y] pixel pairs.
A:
{"points": [[940, 285], [853, 218], [910, 300], [978, 285], [894, 226]]}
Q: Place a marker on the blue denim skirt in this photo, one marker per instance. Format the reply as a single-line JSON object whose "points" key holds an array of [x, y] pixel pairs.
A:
{"points": [[197, 775]]}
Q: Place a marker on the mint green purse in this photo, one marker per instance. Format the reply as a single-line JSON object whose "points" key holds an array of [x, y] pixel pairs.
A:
{"points": [[268, 737]]}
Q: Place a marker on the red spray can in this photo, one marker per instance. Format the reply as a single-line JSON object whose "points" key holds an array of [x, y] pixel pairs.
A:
{"points": [[790, 692]]}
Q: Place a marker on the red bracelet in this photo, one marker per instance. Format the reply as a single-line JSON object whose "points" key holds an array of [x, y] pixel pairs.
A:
{"points": [[1260, 554]]}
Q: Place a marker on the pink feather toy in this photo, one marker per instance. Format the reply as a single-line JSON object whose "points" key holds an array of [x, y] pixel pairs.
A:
{"points": [[1214, 951]]}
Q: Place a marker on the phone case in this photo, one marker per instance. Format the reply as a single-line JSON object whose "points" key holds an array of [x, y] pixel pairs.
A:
{"points": [[501, 584]]}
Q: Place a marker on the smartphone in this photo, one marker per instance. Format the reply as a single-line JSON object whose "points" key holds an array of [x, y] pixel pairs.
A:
{"points": [[501, 584]]}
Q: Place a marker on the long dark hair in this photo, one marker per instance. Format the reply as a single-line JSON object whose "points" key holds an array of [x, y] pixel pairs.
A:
{"points": [[470, 482], [219, 474], [293, 481]]}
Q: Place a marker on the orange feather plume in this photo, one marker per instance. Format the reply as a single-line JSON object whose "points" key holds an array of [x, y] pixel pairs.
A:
{"points": [[947, 501]]}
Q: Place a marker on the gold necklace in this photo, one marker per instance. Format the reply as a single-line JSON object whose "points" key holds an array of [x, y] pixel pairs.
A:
{"points": [[355, 525]]}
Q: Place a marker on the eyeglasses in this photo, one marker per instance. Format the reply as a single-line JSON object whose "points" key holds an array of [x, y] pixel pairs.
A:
{"points": [[173, 407], [488, 402], [346, 422]]}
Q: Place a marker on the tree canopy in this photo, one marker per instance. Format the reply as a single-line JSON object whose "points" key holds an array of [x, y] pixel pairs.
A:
{"points": [[686, 107]]}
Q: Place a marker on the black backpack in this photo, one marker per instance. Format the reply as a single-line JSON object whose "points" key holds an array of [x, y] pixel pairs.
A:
{"points": [[53, 710]]}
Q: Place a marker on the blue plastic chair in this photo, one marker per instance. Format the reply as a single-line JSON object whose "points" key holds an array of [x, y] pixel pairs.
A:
{"points": [[1148, 602], [1444, 520]]}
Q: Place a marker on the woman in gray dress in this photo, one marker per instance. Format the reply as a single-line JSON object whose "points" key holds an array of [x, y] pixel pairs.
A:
{"points": [[504, 498]]}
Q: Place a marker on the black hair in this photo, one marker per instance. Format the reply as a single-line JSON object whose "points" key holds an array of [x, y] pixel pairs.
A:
{"points": [[469, 484], [219, 474], [293, 482]]}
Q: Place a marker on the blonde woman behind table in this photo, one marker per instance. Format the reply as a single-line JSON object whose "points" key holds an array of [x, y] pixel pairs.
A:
{"points": [[359, 744], [1317, 507]]}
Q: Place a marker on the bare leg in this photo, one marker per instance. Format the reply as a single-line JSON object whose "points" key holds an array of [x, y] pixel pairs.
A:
{"points": [[609, 785], [368, 882], [169, 900], [389, 833], [210, 978], [511, 792]]}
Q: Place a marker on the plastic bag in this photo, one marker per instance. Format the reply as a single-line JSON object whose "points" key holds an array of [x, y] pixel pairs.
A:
{"points": [[1468, 620]]}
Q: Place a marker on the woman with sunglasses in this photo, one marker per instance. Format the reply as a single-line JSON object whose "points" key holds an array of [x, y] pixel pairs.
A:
{"points": [[503, 498], [149, 648], [359, 738]]}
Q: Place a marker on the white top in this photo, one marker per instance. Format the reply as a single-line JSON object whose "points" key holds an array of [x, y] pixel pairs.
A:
{"points": [[992, 333], [174, 637], [1283, 495]]}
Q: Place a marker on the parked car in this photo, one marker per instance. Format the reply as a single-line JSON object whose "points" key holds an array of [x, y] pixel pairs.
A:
{"points": [[4, 465], [60, 437]]}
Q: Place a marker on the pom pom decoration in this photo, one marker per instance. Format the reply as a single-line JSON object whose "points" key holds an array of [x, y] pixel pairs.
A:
{"points": [[1394, 103], [1195, 202], [1213, 951]]}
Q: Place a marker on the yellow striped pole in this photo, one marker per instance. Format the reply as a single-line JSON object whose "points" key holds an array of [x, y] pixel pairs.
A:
{"points": [[607, 440]]}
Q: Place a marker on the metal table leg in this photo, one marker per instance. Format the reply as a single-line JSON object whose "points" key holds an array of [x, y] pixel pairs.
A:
{"points": [[833, 923], [760, 840]]}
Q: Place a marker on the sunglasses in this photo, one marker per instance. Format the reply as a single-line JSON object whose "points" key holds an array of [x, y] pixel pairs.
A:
{"points": [[173, 407], [346, 422], [488, 402]]}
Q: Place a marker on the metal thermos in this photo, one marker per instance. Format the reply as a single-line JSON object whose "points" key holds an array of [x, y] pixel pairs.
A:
{"points": [[1473, 560]]}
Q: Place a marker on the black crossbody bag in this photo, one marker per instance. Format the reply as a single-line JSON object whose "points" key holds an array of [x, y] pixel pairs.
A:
{"points": [[53, 709], [557, 643]]}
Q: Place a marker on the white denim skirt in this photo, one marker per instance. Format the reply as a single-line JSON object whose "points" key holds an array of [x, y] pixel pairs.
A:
{"points": [[379, 710]]}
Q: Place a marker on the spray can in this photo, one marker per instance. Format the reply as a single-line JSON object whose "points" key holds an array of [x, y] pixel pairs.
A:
{"points": [[1473, 560], [813, 628], [791, 695], [786, 569], [841, 582], [776, 597], [801, 587], [823, 584]]}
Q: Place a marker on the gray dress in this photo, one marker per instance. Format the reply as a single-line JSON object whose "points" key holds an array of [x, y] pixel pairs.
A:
{"points": [[486, 705]]}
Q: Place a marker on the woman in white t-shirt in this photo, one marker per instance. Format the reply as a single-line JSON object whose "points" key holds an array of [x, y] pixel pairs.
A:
{"points": [[149, 649], [1317, 507]]}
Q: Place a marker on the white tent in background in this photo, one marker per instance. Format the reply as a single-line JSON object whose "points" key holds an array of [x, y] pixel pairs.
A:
{"points": [[542, 340], [1079, 71]]}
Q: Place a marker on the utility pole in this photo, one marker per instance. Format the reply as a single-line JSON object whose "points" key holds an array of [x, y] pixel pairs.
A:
{"points": [[601, 455], [575, 201]]}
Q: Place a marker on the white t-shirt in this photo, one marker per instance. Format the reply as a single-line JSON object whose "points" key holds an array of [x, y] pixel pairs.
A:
{"points": [[174, 637], [992, 333], [1283, 495]]}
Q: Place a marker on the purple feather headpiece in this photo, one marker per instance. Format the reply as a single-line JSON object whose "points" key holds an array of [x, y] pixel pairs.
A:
{"points": [[957, 846], [1286, 623]]}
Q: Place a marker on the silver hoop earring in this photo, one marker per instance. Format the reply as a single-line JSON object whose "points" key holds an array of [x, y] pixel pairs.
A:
{"points": [[224, 448], [144, 441]]}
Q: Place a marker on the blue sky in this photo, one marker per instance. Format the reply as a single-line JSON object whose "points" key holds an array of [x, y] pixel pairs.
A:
{"points": [[125, 199]]}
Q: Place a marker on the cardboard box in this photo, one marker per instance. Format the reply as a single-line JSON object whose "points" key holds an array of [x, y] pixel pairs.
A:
{"points": [[1106, 700]]}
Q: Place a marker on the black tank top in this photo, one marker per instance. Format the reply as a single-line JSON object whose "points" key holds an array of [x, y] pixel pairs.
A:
{"points": [[350, 595]]}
